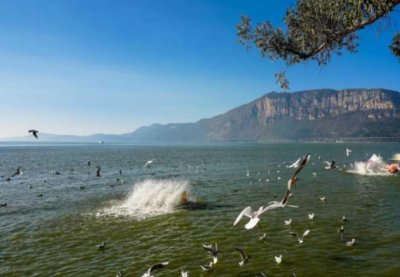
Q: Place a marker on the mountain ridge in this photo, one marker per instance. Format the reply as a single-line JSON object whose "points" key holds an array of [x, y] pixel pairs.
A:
{"points": [[278, 116]]}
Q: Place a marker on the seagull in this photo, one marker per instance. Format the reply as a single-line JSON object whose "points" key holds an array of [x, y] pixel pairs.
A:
{"points": [[247, 173], [278, 259], [212, 251], [288, 222], [34, 133], [148, 163], [351, 243], [154, 267], [101, 246], [243, 258], [119, 274], [88, 163], [301, 239], [348, 151], [293, 179], [341, 229], [98, 171], [208, 267], [278, 178], [120, 172], [3, 204], [311, 216], [323, 198], [314, 174], [344, 219], [18, 172], [295, 164], [184, 273], [253, 215], [330, 165]]}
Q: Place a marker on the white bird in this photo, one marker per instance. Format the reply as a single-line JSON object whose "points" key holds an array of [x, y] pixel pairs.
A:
{"points": [[344, 218], [288, 222], [301, 239], [243, 258], [253, 215], [278, 259], [314, 174], [247, 173], [348, 151], [295, 164], [311, 216], [212, 251], [184, 273], [101, 246], [154, 267], [322, 198], [208, 267], [279, 178], [341, 229], [148, 163], [351, 243]]}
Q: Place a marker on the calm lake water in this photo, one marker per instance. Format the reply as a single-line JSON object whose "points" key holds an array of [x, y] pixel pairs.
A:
{"points": [[136, 216]]}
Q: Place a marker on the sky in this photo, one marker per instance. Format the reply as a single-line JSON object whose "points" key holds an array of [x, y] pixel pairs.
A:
{"points": [[85, 67]]}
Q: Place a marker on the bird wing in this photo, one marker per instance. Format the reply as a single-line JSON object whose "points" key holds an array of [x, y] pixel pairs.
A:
{"points": [[302, 165], [306, 232], [242, 255], [246, 212], [285, 198], [157, 266], [252, 223]]}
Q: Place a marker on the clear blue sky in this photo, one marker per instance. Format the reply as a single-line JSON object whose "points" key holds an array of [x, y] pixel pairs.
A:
{"points": [[83, 67]]}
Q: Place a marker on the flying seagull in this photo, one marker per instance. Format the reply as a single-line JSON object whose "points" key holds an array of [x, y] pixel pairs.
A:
{"points": [[184, 273], [154, 267], [212, 251], [16, 173], [282, 204], [148, 163], [311, 216], [263, 236], [293, 179], [243, 258], [348, 151], [301, 239], [34, 133], [253, 215], [288, 222]]}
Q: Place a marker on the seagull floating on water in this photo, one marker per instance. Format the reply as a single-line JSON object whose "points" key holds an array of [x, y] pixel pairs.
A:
{"points": [[184, 273], [311, 216], [330, 165], [323, 198], [154, 267], [98, 171], [351, 243], [247, 173], [288, 222], [341, 229], [344, 218], [243, 258], [101, 246], [263, 236], [34, 133], [278, 259]]}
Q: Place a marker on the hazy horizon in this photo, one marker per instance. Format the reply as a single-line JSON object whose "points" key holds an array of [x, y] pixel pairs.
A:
{"points": [[81, 68]]}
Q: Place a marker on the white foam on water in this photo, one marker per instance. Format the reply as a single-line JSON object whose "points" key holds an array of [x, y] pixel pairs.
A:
{"points": [[375, 166], [149, 198]]}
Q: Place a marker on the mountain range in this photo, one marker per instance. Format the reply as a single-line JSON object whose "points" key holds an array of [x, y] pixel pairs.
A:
{"points": [[321, 114]]}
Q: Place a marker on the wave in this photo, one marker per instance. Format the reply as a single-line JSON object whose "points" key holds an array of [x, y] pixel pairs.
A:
{"points": [[149, 198], [375, 166]]}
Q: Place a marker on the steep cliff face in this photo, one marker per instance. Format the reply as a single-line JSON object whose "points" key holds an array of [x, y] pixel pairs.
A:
{"points": [[314, 114]]}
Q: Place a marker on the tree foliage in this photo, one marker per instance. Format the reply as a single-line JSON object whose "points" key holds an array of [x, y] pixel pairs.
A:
{"points": [[315, 29]]}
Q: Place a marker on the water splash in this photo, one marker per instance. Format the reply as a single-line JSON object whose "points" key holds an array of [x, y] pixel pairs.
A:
{"points": [[149, 198], [375, 166]]}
